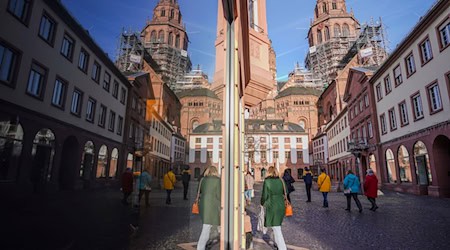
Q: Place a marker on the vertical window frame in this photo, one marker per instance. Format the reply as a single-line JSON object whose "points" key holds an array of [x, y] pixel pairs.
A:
{"points": [[398, 79], [71, 52], [387, 82], [102, 116], [106, 83], [65, 85], [442, 47], [14, 67], [392, 119], [383, 124], [25, 19], [96, 65], [84, 68], [428, 88], [413, 106], [51, 39], [403, 113], [80, 103], [427, 41], [379, 92], [94, 108], [41, 94], [407, 65]]}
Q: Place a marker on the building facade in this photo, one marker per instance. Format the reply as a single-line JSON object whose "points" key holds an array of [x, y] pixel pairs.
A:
{"points": [[320, 152], [362, 119], [340, 159], [412, 91], [267, 143], [63, 102], [178, 151], [158, 160]]}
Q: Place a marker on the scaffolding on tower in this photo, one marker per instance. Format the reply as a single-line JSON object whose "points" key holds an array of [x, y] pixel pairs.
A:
{"points": [[130, 52], [370, 44]]}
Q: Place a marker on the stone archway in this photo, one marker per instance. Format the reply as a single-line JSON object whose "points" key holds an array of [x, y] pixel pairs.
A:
{"points": [[441, 155], [69, 163]]}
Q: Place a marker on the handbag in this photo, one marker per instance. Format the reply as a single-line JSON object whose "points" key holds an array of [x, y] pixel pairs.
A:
{"points": [[195, 208], [288, 207], [348, 191], [147, 187]]}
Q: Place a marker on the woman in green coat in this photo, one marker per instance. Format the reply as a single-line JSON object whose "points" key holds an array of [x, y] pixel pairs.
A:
{"points": [[209, 204], [272, 199]]}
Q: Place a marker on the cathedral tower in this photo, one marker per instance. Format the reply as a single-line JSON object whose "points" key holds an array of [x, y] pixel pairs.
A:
{"points": [[166, 40], [332, 32]]}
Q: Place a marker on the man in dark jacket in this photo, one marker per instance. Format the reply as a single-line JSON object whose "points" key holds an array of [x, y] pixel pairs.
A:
{"points": [[127, 185], [307, 177], [186, 177]]}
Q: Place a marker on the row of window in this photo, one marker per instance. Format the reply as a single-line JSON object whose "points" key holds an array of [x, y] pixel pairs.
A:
{"points": [[434, 101], [161, 129], [361, 131], [426, 55], [339, 147], [325, 8], [263, 155], [357, 109], [36, 86], [47, 32], [337, 128], [160, 37], [159, 146], [162, 12], [318, 142]]}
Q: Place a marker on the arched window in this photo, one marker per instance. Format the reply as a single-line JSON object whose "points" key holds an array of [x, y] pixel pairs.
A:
{"points": [[317, 12], [327, 34], [422, 161], [319, 36], [404, 165], [345, 30], [310, 38], [87, 160], [11, 136], [112, 173], [334, 5], [337, 30], [130, 159], [161, 36], [102, 162], [43, 152], [172, 14], [153, 36], [170, 42], [194, 124], [177, 41], [163, 12], [390, 165], [324, 8], [372, 163]]}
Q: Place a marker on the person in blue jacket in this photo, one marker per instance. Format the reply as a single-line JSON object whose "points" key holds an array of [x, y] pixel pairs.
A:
{"points": [[352, 184]]}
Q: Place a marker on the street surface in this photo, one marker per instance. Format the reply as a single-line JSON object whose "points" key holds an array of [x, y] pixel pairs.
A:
{"points": [[402, 222], [96, 219]]}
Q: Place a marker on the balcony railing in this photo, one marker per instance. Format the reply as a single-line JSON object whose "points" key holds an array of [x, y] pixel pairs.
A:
{"points": [[357, 144]]}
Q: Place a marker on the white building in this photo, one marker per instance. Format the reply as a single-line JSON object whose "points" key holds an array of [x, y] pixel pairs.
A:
{"points": [[160, 145], [412, 89], [338, 135]]}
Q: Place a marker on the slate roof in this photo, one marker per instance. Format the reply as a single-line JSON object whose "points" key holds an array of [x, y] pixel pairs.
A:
{"points": [[298, 91], [197, 92]]}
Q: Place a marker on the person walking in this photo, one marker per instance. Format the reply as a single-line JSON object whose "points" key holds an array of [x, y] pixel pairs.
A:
{"points": [[186, 177], [127, 185], [324, 184], [145, 186], [209, 204], [351, 189], [169, 184], [371, 188], [273, 201], [249, 182], [307, 178], [288, 180]]}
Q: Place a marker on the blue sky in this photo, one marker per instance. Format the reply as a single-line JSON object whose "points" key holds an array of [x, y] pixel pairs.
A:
{"points": [[288, 22]]}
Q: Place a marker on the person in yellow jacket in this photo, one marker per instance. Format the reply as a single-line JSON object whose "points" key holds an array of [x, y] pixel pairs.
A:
{"points": [[169, 184], [324, 183]]}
